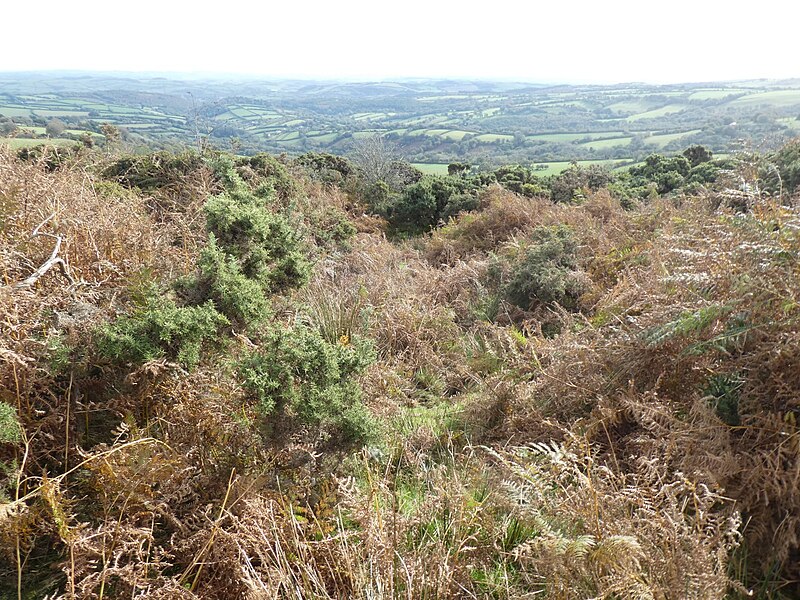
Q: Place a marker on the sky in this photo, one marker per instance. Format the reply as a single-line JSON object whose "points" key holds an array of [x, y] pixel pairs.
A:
{"points": [[563, 41]]}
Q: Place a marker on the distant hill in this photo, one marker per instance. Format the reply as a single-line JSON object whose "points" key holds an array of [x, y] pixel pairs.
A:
{"points": [[432, 121]]}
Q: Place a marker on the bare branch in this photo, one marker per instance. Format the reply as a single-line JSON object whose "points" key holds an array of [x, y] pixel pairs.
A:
{"points": [[54, 259]]}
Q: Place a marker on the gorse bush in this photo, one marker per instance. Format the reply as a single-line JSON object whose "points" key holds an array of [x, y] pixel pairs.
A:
{"points": [[9, 426], [421, 205], [568, 185], [221, 280], [266, 246], [159, 328], [264, 174], [155, 171], [298, 370], [542, 270]]}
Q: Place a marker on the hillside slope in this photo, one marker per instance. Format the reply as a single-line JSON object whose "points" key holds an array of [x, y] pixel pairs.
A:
{"points": [[236, 385]]}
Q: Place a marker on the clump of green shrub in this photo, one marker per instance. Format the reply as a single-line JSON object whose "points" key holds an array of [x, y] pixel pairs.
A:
{"points": [[327, 168], [422, 205], [220, 279], [154, 171], [569, 184], [267, 176], [298, 371], [159, 328], [251, 253], [267, 247], [542, 270], [9, 425], [520, 180]]}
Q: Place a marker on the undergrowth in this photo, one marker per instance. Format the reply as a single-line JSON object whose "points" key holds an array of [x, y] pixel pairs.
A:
{"points": [[238, 387]]}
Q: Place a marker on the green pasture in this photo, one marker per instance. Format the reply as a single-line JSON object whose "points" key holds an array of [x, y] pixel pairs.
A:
{"points": [[15, 111], [777, 98], [658, 112], [16, 143], [427, 119], [60, 113], [663, 139], [493, 137], [607, 143], [455, 134], [288, 136], [634, 106], [714, 94], [324, 137], [427, 132], [431, 168], [574, 137], [556, 167]]}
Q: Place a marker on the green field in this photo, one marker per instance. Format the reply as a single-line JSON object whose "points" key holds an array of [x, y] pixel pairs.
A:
{"points": [[664, 139], [61, 113], [631, 106], [609, 143], [14, 111], [777, 98], [431, 168], [493, 137], [714, 94], [554, 168], [574, 137], [456, 135], [16, 143], [658, 112], [326, 137]]}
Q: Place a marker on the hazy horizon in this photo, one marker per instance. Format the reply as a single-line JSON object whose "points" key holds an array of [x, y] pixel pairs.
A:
{"points": [[582, 43], [233, 76]]}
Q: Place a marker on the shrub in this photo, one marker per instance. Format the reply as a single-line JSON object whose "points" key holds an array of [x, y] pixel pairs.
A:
{"points": [[220, 279], [267, 247], [154, 171], [266, 174], [160, 328], [542, 270], [327, 168], [565, 186], [423, 204], [520, 180], [787, 161], [298, 370], [9, 426]]}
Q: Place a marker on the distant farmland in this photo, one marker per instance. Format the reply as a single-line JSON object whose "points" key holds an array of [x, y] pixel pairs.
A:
{"points": [[431, 122]]}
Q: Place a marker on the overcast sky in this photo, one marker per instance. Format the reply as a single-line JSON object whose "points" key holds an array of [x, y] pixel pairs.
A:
{"points": [[594, 41]]}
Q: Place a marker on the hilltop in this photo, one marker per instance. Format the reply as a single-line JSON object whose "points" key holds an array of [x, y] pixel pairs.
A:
{"points": [[231, 376]]}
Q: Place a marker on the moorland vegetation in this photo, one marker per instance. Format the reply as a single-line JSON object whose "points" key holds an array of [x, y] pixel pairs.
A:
{"points": [[313, 377]]}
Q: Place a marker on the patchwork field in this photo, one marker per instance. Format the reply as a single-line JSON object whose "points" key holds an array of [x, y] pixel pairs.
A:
{"points": [[431, 122]]}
